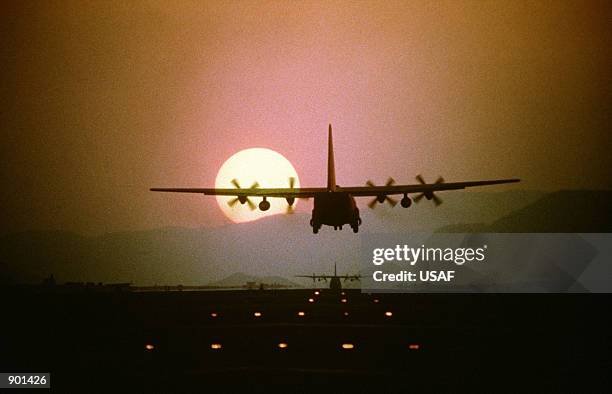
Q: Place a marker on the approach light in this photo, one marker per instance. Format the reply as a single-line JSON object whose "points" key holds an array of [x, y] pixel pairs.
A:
{"points": [[348, 346], [414, 346], [282, 345], [376, 300], [346, 313], [215, 346], [388, 313], [317, 292], [311, 300], [257, 314], [213, 314], [343, 293], [343, 300], [300, 313], [149, 347]]}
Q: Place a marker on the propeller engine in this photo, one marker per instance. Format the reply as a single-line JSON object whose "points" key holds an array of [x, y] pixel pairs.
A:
{"points": [[429, 195], [405, 201], [242, 199], [382, 197], [264, 205]]}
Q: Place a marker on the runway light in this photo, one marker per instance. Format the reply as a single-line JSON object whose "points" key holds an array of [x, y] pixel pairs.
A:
{"points": [[149, 347], [282, 345], [213, 314], [414, 346], [215, 346], [311, 300], [317, 292], [388, 313], [300, 313], [343, 300], [348, 346], [257, 314]]}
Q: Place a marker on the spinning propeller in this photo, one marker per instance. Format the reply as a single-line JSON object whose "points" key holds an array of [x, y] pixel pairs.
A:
{"points": [[290, 200], [243, 199], [428, 195], [383, 197]]}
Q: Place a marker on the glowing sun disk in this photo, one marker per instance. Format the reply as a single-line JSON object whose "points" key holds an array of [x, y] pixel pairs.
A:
{"points": [[268, 168]]}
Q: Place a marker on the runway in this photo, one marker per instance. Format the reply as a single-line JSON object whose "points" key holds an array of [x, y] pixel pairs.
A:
{"points": [[253, 340]]}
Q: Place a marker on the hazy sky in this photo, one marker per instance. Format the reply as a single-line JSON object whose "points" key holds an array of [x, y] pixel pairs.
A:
{"points": [[102, 100]]}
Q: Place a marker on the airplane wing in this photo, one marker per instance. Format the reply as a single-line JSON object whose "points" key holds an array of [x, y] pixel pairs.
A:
{"points": [[426, 188], [350, 278], [251, 192], [313, 277], [357, 191]]}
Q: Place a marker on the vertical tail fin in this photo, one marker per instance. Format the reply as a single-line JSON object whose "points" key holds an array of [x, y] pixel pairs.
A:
{"points": [[331, 171]]}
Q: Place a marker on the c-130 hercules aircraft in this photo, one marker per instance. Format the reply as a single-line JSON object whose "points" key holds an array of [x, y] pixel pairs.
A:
{"points": [[334, 280], [335, 205]]}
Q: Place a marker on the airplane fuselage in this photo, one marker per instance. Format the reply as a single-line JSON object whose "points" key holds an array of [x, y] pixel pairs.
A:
{"points": [[335, 284], [335, 209]]}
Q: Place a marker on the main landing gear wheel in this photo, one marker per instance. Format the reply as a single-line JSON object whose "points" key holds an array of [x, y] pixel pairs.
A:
{"points": [[315, 226], [356, 223]]}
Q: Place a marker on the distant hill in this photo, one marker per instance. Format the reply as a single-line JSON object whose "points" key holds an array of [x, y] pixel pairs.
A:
{"points": [[463, 228], [279, 245], [567, 211]]}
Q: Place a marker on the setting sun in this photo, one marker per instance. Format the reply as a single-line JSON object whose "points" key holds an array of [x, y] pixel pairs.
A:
{"points": [[268, 168]]}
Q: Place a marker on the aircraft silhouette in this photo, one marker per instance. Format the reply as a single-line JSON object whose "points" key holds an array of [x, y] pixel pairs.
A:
{"points": [[334, 280], [335, 205]]}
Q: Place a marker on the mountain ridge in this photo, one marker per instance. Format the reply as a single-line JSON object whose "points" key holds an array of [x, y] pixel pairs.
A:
{"points": [[274, 246]]}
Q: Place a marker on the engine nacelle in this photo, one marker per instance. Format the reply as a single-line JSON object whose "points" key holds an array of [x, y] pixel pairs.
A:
{"points": [[290, 200], [381, 198], [242, 199], [406, 202], [264, 205]]}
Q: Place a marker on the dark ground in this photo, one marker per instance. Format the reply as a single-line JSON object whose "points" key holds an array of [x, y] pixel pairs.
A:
{"points": [[467, 342]]}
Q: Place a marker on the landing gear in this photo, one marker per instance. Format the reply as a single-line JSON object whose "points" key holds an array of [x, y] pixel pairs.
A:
{"points": [[315, 226], [356, 221]]}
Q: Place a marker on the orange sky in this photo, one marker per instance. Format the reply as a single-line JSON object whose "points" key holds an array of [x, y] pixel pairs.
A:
{"points": [[105, 99]]}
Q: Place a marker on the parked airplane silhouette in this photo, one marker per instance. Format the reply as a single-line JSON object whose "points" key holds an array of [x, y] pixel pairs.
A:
{"points": [[334, 280], [335, 205]]}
